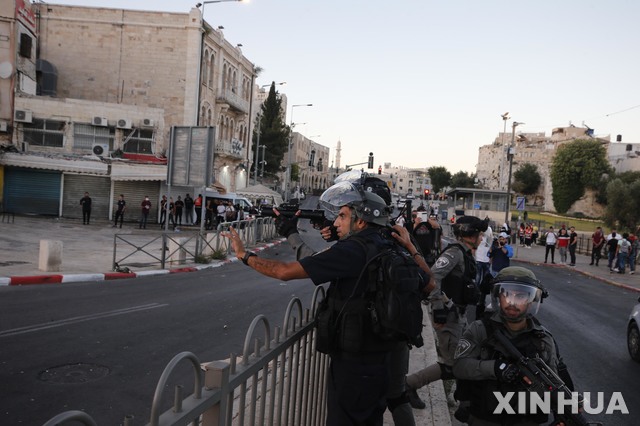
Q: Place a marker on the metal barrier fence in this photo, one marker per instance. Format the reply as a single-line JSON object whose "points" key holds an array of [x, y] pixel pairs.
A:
{"points": [[279, 381], [174, 249]]}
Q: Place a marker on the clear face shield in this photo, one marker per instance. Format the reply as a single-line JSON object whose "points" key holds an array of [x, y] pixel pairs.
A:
{"points": [[515, 300], [339, 195]]}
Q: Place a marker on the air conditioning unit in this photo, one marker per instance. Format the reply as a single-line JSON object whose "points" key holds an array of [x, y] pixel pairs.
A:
{"points": [[100, 121], [3, 126], [124, 124], [100, 149], [147, 122], [23, 116]]}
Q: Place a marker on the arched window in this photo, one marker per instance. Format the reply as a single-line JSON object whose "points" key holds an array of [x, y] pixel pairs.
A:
{"points": [[224, 77], [205, 68], [212, 69]]}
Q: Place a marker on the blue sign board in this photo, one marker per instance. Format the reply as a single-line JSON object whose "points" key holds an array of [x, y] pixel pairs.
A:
{"points": [[520, 203]]}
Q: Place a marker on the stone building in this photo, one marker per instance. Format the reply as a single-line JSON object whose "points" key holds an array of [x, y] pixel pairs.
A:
{"points": [[535, 148], [312, 159], [96, 99]]}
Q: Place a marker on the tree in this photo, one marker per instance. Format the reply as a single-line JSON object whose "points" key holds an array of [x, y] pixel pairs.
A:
{"points": [[440, 177], [463, 180], [623, 205], [576, 166], [527, 180], [274, 133]]}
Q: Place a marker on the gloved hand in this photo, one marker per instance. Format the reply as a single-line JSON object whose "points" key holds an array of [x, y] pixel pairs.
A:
{"points": [[440, 315], [506, 372], [286, 226]]}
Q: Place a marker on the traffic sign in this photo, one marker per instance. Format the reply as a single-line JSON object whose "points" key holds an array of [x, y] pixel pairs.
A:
{"points": [[520, 203]]}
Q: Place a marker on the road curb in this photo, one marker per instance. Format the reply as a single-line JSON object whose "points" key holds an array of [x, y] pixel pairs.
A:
{"points": [[109, 276]]}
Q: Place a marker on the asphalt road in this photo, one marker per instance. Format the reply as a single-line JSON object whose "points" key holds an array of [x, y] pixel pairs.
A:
{"points": [[588, 320], [101, 347]]}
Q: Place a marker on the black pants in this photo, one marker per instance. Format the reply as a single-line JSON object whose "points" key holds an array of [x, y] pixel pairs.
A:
{"points": [[572, 253], [356, 393], [198, 215], [596, 254], [550, 248], [86, 215], [119, 215]]}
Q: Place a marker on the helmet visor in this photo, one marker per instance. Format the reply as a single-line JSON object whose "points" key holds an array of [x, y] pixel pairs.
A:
{"points": [[339, 195], [516, 298]]}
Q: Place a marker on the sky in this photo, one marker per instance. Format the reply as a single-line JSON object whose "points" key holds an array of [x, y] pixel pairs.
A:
{"points": [[424, 83]]}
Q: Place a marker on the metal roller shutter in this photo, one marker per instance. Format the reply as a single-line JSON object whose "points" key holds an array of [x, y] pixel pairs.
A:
{"points": [[32, 191], [99, 189], [134, 192]]}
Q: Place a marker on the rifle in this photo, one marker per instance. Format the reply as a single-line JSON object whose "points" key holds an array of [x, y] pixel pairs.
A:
{"points": [[289, 210], [538, 377]]}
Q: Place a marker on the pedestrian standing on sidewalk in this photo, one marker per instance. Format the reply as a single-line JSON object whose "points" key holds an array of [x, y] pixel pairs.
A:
{"points": [[573, 245], [597, 240], [188, 206], [146, 208], [122, 206], [563, 245], [197, 204], [179, 207], [633, 239], [622, 253], [612, 248], [500, 253], [85, 202], [550, 245]]}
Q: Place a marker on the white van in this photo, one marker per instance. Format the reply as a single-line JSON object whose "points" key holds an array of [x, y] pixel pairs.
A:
{"points": [[229, 197]]}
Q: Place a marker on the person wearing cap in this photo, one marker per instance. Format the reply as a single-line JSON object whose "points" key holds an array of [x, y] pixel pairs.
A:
{"points": [[359, 375], [500, 253], [482, 366], [454, 273]]}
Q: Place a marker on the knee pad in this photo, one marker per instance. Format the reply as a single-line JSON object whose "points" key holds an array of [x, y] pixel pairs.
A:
{"points": [[446, 372], [393, 403]]}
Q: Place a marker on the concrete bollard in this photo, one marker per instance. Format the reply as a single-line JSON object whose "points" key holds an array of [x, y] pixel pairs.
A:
{"points": [[178, 252], [50, 256]]}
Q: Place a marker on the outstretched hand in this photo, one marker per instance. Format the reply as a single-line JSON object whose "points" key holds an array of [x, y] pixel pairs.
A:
{"points": [[236, 242]]}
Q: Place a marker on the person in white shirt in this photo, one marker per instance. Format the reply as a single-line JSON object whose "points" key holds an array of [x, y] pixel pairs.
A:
{"points": [[550, 245]]}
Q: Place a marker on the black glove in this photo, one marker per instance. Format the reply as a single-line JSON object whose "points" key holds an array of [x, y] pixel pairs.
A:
{"points": [[440, 316], [506, 372], [286, 226]]}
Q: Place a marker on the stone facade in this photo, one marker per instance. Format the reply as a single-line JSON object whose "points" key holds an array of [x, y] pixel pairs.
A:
{"points": [[535, 148]]}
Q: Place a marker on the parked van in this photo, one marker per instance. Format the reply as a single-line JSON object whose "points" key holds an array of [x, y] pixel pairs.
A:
{"points": [[229, 197]]}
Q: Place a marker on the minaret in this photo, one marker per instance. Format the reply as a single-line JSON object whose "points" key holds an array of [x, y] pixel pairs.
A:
{"points": [[338, 149]]}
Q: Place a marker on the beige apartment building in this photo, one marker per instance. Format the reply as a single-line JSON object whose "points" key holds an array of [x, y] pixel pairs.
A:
{"points": [[536, 148], [93, 100]]}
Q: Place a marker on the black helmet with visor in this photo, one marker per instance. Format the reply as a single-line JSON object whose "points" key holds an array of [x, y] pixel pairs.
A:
{"points": [[520, 291]]}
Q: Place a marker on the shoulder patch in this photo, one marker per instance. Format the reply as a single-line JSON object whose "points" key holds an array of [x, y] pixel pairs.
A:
{"points": [[442, 262], [463, 346]]}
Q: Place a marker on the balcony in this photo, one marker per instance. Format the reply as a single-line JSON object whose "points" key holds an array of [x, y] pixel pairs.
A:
{"points": [[234, 101], [231, 148]]}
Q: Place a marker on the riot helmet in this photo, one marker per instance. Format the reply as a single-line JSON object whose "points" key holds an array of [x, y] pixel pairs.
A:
{"points": [[469, 226], [367, 182], [516, 293], [366, 205]]}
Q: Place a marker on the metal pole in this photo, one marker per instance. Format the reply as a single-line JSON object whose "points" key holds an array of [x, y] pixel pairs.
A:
{"points": [[510, 155], [257, 156]]}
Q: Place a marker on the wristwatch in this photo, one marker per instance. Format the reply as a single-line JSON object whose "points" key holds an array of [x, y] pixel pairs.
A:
{"points": [[247, 255]]}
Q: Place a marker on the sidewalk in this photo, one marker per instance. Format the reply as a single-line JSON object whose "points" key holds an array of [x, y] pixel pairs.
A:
{"points": [[535, 255]]}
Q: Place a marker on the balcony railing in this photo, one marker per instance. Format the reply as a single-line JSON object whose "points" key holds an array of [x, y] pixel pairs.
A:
{"points": [[233, 100], [231, 148]]}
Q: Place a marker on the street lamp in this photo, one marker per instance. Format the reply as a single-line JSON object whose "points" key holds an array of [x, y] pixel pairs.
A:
{"points": [[282, 83], [510, 154], [257, 157], [505, 117], [264, 161], [287, 178], [204, 3]]}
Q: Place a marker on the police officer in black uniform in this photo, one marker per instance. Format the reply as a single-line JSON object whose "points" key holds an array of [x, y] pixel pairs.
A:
{"points": [[358, 376], [483, 366], [454, 273]]}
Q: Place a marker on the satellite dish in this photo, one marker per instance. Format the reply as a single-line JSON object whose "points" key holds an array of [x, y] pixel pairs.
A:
{"points": [[6, 69]]}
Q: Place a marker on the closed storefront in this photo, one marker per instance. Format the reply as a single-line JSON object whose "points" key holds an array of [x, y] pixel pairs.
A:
{"points": [[32, 191], [99, 189], [134, 192]]}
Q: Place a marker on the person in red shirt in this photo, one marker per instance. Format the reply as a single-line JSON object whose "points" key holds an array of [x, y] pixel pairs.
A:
{"points": [[563, 244], [198, 207], [597, 238]]}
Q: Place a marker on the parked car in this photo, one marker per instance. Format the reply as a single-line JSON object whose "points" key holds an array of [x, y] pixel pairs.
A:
{"points": [[633, 333]]}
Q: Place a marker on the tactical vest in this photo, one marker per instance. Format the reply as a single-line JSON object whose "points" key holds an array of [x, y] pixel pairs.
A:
{"points": [[460, 284]]}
